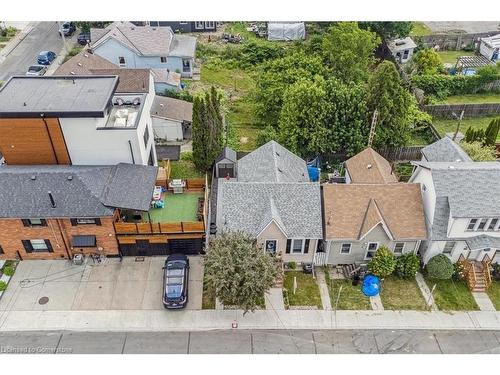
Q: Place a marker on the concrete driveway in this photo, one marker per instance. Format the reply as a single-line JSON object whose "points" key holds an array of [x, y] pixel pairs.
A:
{"points": [[111, 285]]}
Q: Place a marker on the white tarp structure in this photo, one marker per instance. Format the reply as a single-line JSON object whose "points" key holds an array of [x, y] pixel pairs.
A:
{"points": [[286, 30]]}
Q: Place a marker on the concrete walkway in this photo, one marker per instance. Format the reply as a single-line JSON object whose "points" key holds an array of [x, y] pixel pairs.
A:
{"points": [[199, 320], [483, 301], [376, 303], [274, 299], [323, 289], [426, 293]]}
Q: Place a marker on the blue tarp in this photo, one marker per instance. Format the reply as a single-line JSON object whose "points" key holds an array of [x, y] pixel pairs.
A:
{"points": [[371, 286], [314, 173]]}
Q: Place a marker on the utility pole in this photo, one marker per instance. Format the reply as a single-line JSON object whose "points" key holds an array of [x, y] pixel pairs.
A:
{"points": [[458, 124], [62, 35], [372, 128]]}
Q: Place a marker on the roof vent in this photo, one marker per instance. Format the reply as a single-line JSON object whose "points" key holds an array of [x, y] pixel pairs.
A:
{"points": [[451, 167], [279, 170], [33, 177], [400, 43], [86, 55], [70, 178], [52, 201], [72, 73], [369, 166], [24, 104], [79, 64]]}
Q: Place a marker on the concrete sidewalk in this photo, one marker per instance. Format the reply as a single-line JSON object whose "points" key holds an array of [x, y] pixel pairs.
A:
{"points": [[199, 320]]}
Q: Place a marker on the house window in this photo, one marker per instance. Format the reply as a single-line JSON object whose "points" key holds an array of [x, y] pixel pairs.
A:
{"points": [[472, 224], [34, 222], [297, 246], [163, 59], [1, 250], [493, 224], [121, 61], [345, 248], [37, 246], [405, 54], [199, 25], [448, 247], [183, 23], [271, 246], [85, 221], [371, 250], [482, 224], [398, 248], [186, 65], [209, 25], [146, 137]]}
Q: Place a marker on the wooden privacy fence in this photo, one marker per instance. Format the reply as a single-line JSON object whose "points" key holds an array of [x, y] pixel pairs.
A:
{"points": [[195, 183], [446, 111], [402, 154], [164, 228]]}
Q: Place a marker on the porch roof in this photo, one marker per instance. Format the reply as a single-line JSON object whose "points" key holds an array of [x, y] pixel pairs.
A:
{"points": [[483, 241]]}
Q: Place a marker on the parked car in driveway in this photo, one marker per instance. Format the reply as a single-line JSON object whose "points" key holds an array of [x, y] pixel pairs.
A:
{"points": [[175, 281], [83, 38], [46, 57], [36, 70], [67, 28]]}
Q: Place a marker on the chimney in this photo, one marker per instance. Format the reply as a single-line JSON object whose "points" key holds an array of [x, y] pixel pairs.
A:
{"points": [[52, 201]]}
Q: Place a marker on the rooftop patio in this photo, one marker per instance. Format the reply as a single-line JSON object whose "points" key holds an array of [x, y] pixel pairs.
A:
{"points": [[178, 207]]}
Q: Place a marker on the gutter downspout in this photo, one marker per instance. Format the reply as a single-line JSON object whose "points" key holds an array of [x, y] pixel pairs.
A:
{"points": [[50, 137], [131, 151], [63, 235]]}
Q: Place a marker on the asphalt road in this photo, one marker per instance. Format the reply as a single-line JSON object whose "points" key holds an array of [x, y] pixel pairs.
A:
{"points": [[44, 36], [253, 342]]}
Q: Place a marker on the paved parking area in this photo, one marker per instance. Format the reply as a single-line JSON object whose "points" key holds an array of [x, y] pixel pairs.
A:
{"points": [[111, 285], [255, 342]]}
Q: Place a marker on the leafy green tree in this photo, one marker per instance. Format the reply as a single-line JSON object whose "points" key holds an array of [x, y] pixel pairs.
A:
{"points": [[478, 152], [388, 29], [301, 123], [387, 95], [440, 267], [208, 129], [349, 51], [427, 61], [275, 76], [491, 133], [346, 117], [407, 266], [383, 262], [239, 271], [85, 26]]}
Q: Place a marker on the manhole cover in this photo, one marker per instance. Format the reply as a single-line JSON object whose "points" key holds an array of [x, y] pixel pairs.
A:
{"points": [[43, 300], [139, 259]]}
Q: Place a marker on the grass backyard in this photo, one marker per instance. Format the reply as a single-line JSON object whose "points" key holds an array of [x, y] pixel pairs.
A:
{"points": [[447, 126], [178, 207], [420, 29], [307, 293], [494, 294], [351, 297], [401, 294], [184, 168], [452, 295], [487, 97], [450, 57]]}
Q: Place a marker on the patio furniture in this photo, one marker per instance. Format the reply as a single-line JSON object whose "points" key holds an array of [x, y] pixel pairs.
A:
{"points": [[177, 186], [157, 193]]}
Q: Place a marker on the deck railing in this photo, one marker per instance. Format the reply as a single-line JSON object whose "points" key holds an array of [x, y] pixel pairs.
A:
{"points": [[160, 228]]}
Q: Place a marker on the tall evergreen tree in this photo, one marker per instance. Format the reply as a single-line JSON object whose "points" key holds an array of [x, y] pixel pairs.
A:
{"points": [[491, 133]]}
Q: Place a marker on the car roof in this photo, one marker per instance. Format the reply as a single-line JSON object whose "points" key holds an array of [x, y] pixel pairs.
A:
{"points": [[174, 257]]}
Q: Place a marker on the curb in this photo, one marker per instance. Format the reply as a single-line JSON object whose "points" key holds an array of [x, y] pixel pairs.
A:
{"points": [[14, 42]]}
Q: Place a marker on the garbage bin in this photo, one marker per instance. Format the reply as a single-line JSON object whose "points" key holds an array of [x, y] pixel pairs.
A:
{"points": [[78, 259]]}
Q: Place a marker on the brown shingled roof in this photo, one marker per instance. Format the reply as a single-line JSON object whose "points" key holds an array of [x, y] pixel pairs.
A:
{"points": [[130, 80], [171, 108], [369, 167], [352, 210], [82, 63]]}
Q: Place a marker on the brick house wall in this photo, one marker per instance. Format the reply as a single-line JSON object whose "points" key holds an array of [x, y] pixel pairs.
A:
{"points": [[59, 233]]}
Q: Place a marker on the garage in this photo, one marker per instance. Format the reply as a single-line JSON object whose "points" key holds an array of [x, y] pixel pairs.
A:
{"points": [[145, 247]]}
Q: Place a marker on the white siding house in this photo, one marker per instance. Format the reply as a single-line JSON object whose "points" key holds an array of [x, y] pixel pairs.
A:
{"points": [[490, 47]]}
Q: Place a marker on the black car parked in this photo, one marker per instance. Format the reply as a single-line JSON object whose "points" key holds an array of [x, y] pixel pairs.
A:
{"points": [[67, 28], [83, 38], [175, 281]]}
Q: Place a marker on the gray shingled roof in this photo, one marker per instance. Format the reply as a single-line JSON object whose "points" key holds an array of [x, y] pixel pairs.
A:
{"points": [[76, 96], [171, 108], [183, 46], [78, 191], [227, 153], [250, 207], [445, 150], [483, 241], [439, 230], [272, 163]]}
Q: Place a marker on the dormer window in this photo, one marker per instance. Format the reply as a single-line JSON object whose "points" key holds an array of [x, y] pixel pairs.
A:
{"points": [[472, 224], [493, 224], [482, 224]]}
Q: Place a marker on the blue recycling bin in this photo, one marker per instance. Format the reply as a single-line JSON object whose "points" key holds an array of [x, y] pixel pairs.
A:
{"points": [[371, 286]]}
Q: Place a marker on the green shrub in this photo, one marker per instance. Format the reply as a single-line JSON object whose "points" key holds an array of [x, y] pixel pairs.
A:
{"points": [[8, 270], [292, 265], [458, 271], [3, 286], [182, 95], [407, 266], [382, 263], [187, 155], [440, 267]]}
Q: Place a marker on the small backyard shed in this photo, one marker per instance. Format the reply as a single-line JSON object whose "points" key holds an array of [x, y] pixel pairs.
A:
{"points": [[402, 49], [226, 164]]}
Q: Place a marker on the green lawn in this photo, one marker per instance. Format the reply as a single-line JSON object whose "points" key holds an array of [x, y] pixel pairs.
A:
{"points": [[208, 297], [401, 294], [184, 169], [487, 97], [447, 126], [351, 297], [178, 207], [450, 57], [494, 294], [420, 29], [421, 136], [452, 295], [307, 293]]}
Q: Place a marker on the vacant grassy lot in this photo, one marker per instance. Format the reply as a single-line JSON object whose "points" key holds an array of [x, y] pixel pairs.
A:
{"points": [[307, 293], [401, 294], [494, 294], [184, 168], [351, 297], [450, 57], [488, 97], [447, 126], [420, 29], [452, 295]]}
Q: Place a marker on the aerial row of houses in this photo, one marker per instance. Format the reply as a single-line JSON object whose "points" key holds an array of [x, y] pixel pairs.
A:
{"points": [[451, 205]]}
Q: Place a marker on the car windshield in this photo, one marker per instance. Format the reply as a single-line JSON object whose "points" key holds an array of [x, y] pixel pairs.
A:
{"points": [[35, 68], [174, 291]]}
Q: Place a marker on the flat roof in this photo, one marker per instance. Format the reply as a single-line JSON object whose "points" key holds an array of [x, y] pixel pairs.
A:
{"points": [[57, 96]]}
